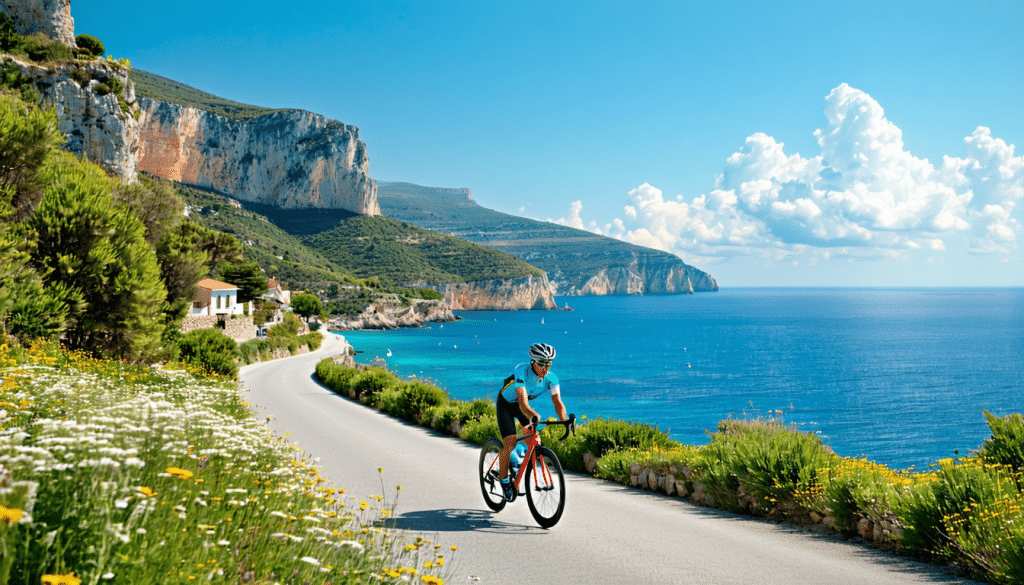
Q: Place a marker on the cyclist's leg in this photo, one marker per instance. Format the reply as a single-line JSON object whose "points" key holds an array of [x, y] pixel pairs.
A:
{"points": [[507, 413]]}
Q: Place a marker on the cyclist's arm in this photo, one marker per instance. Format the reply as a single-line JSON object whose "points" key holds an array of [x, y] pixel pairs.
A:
{"points": [[556, 399]]}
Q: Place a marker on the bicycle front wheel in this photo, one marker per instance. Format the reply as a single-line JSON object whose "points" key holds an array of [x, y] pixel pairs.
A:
{"points": [[490, 483], [545, 488]]}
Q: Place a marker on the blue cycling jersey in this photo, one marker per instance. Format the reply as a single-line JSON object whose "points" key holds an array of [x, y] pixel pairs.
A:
{"points": [[524, 377]]}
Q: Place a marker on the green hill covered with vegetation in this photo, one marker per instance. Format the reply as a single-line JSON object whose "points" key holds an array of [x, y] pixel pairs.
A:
{"points": [[311, 247], [280, 254], [167, 90]]}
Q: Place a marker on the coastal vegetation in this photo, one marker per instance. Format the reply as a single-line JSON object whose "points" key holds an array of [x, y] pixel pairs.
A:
{"points": [[967, 511], [399, 253], [349, 261], [112, 472]]}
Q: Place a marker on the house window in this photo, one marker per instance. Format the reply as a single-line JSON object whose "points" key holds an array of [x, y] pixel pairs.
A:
{"points": [[218, 301]]}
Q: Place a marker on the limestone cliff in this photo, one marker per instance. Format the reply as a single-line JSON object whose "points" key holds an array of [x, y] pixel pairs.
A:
{"points": [[50, 17], [643, 275], [288, 158], [391, 316], [96, 107], [518, 294]]}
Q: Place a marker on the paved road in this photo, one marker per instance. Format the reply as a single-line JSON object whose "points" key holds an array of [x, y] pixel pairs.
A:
{"points": [[608, 534]]}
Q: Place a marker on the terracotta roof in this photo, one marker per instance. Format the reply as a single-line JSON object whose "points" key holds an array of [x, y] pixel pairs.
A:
{"points": [[273, 283], [212, 284]]}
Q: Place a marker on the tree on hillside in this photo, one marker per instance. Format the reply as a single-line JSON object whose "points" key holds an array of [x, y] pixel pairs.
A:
{"points": [[27, 310], [97, 249], [155, 203], [247, 276], [182, 265], [306, 305], [218, 246], [28, 137]]}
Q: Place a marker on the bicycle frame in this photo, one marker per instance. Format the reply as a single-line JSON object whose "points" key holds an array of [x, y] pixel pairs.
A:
{"points": [[532, 440]]}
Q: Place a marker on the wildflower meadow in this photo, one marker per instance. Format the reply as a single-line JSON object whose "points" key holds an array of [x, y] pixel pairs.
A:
{"points": [[116, 473]]}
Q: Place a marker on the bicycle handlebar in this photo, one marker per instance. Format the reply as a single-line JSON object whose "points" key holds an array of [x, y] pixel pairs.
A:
{"points": [[569, 423]]}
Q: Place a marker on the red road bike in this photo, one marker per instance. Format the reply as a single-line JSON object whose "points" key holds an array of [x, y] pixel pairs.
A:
{"points": [[540, 475]]}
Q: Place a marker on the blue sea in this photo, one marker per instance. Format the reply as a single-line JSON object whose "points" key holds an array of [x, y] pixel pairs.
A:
{"points": [[899, 376]]}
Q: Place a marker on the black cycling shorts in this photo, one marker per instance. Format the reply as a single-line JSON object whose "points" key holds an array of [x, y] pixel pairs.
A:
{"points": [[508, 412]]}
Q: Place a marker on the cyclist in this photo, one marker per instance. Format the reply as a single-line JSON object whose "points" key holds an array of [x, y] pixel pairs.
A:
{"points": [[528, 382]]}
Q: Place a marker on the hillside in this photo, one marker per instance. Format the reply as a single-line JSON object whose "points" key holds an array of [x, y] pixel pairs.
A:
{"points": [[577, 261], [279, 253], [163, 89], [306, 247]]}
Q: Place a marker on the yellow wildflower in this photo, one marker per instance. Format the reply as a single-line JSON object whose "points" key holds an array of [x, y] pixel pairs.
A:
{"points": [[68, 579], [179, 472], [10, 514]]}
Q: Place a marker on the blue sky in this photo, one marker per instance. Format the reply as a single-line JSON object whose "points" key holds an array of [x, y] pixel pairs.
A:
{"points": [[768, 143]]}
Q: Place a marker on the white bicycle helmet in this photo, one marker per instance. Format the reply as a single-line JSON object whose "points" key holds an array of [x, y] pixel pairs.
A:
{"points": [[542, 351]]}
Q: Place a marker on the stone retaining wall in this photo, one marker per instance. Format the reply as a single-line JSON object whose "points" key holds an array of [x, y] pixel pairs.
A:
{"points": [[241, 328], [680, 481]]}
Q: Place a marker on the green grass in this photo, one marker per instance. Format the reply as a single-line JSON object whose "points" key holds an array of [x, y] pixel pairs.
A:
{"points": [[113, 473], [163, 89]]}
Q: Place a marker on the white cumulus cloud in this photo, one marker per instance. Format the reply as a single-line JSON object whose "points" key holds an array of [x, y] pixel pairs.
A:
{"points": [[865, 195]]}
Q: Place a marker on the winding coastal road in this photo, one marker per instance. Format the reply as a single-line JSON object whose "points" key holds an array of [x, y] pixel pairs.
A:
{"points": [[608, 534]]}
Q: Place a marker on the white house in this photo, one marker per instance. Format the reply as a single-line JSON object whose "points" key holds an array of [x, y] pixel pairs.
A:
{"points": [[214, 297]]}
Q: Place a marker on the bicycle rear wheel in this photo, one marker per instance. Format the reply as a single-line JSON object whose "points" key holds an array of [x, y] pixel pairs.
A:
{"points": [[545, 488], [490, 484]]}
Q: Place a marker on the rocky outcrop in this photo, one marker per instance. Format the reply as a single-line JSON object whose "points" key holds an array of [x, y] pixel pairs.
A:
{"points": [[50, 17], [388, 316], [670, 277], [96, 107], [517, 294], [289, 158]]}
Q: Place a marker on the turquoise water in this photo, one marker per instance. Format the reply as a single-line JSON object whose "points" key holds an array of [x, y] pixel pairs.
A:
{"points": [[899, 376]]}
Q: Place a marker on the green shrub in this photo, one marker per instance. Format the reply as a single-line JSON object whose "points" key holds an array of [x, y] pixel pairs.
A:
{"points": [[371, 382], [90, 45], [210, 349], [771, 462], [387, 400], [313, 340], [478, 430], [415, 398], [335, 377], [970, 516], [1006, 447], [43, 49], [600, 437], [253, 351]]}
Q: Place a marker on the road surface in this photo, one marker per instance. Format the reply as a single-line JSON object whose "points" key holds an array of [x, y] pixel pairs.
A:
{"points": [[608, 533]]}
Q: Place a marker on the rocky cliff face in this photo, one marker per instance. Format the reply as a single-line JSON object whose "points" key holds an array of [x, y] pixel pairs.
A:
{"points": [[381, 316], [290, 158], [50, 17], [669, 277], [96, 108], [519, 294]]}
